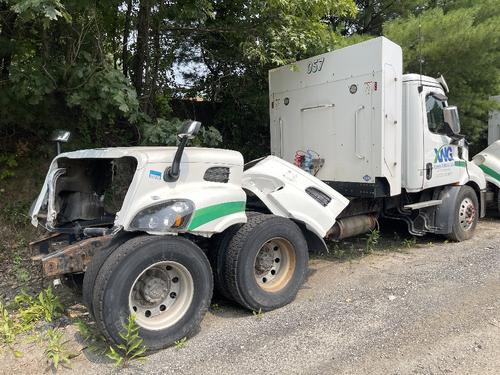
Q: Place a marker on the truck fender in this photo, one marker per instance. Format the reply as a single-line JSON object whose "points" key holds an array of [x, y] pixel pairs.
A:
{"points": [[446, 210], [315, 243], [488, 161], [289, 191]]}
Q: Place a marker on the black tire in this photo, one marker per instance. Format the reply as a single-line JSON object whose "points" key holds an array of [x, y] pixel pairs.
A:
{"points": [[241, 271], [120, 272], [95, 265], [465, 221], [217, 257], [498, 201]]}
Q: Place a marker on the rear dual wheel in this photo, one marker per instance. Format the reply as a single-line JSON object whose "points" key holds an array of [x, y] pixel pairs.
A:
{"points": [[165, 281], [265, 263]]}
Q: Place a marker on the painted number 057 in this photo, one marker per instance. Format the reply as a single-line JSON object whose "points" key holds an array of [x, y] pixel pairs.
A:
{"points": [[315, 66]]}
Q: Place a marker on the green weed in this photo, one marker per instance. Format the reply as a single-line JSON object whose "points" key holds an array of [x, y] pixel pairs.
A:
{"points": [[409, 242], [8, 327], [46, 306], [180, 344], [21, 273], [56, 352], [372, 239], [132, 347], [216, 308], [258, 314]]}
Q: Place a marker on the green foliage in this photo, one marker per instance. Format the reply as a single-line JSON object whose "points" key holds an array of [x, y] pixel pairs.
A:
{"points": [[8, 327], [258, 314], [56, 352], [108, 70], [131, 348], [180, 344], [46, 306], [21, 273], [372, 240], [8, 163], [409, 242], [460, 42], [165, 132]]}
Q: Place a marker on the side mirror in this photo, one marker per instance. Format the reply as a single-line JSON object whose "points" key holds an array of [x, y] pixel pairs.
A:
{"points": [[451, 118], [60, 136], [189, 129]]}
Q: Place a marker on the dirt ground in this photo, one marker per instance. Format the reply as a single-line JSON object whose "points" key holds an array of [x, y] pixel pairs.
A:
{"points": [[424, 307]]}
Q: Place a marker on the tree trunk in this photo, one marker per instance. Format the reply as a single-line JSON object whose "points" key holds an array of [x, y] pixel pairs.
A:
{"points": [[7, 24], [126, 34], [143, 20]]}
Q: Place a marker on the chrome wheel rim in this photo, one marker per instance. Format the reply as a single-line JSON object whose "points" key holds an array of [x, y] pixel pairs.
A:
{"points": [[161, 295], [467, 214], [274, 264]]}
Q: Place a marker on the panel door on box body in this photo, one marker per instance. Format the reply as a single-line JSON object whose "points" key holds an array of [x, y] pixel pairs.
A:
{"points": [[442, 164], [335, 127], [299, 127]]}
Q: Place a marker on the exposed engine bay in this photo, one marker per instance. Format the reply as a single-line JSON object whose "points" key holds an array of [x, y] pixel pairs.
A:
{"points": [[87, 192]]}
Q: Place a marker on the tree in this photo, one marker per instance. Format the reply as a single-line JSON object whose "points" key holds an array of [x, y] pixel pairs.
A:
{"points": [[462, 43]]}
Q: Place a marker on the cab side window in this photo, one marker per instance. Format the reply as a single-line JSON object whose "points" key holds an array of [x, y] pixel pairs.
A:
{"points": [[435, 118]]}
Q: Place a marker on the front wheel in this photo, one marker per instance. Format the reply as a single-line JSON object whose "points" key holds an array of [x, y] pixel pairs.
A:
{"points": [[466, 215], [266, 262], [165, 281]]}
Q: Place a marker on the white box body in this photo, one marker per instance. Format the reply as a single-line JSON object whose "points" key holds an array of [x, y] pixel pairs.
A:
{"points": [[346, 106]]}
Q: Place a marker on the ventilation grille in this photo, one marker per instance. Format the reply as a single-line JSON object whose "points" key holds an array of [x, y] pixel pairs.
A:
{"points": [[217, 174], [319, 196]]}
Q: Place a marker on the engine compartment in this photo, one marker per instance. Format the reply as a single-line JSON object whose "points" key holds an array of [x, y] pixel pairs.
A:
{"points": [[89, 192]]}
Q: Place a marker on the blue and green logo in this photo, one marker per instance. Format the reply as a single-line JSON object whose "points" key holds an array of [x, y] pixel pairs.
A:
{"points": [[443, 154]]}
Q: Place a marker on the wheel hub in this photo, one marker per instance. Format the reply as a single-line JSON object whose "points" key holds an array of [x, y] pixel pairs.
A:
{"points": [[155, 289], [274, 264], [264, 261], [467, 214], [161, 295]]}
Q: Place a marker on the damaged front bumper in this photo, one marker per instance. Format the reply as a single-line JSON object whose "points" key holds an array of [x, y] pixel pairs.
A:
{"points": [[58, 256]]}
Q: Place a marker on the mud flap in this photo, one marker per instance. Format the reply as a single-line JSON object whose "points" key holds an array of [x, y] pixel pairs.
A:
{"points": [[445, 212]]}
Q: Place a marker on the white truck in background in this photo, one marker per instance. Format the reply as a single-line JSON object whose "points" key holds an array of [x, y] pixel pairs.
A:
{"points": [[489, 159], [387, 141], [151, 231]]}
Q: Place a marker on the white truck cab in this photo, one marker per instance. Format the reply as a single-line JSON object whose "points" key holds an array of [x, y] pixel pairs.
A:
{"points": [[441, 158]]}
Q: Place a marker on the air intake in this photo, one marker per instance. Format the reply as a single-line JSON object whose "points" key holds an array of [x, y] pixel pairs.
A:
{"points": [[319, 196], [217, 174]]}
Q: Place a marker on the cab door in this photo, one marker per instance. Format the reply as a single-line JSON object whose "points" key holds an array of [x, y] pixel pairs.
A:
{"points": [[443, 165]]}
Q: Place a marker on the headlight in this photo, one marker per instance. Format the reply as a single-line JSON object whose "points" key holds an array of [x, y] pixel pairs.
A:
{"points": [[164, 217]]}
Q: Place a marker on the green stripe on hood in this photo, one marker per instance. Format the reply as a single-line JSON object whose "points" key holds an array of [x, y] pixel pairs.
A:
{"points": [[207, 214], [490, 172]]}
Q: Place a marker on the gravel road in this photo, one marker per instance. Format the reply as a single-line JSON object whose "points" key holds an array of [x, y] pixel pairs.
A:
{"points": [[434, 309]]}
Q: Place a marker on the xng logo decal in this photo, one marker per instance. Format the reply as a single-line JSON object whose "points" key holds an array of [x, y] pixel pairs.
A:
{"points": [[443, 154]]}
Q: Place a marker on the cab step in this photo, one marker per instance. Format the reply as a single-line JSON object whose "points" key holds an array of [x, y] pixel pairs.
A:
{"points": [[419, 205]]}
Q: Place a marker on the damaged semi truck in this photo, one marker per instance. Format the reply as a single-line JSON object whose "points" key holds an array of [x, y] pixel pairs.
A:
{"points": [[151, 230]]}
